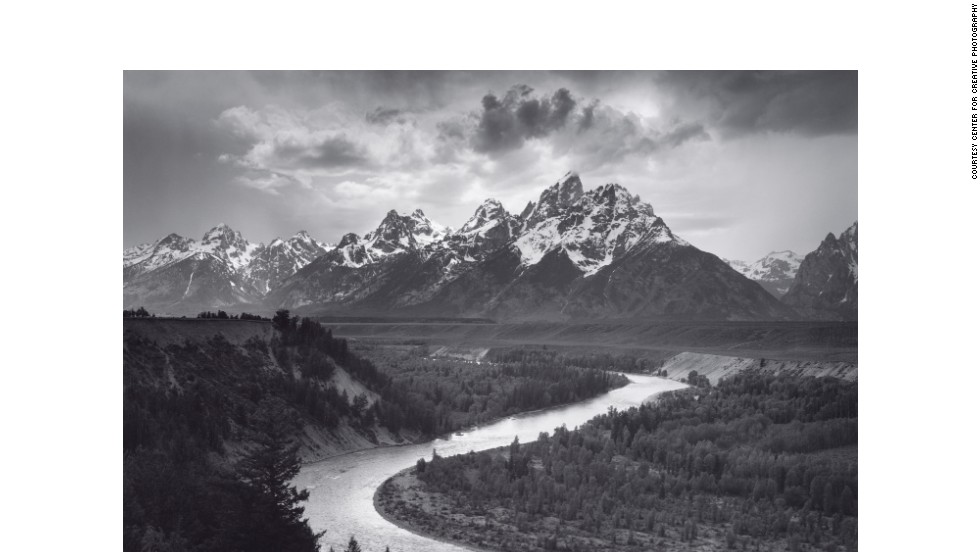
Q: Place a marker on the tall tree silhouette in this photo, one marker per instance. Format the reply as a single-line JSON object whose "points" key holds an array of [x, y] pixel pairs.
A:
{"points": [[273, 512]]}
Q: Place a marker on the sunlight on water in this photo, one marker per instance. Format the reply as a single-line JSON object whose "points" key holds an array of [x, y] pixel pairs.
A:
{"points": [[342, 488]]}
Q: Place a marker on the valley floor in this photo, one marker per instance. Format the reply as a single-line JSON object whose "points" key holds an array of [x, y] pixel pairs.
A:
{"points": [[793, 341]]}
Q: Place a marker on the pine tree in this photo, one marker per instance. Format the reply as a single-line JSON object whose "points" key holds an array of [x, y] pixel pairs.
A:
{"points": [[281, 319], [274, 515], [352, 546]]}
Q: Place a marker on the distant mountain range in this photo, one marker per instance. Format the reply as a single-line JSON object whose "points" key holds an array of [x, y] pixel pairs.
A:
{"points": [[572, 255], [775, 272]]}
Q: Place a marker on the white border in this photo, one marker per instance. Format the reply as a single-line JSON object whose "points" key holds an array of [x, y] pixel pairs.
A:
{"points": [[62, 216]]}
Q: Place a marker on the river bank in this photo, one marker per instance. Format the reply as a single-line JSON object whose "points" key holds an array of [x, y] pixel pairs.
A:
{"points": [[382, 505], [342, 488], [404, 501], [598, 490]]}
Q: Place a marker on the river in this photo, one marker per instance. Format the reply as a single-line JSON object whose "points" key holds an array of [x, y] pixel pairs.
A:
{"points": [[342, 488]]}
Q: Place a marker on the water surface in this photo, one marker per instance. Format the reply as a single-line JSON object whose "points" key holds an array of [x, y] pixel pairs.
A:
{"points": [[342, 488]]}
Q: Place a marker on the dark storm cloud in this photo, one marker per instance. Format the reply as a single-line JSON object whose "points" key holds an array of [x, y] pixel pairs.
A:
{"points": [[506, 123], [809, 103]]}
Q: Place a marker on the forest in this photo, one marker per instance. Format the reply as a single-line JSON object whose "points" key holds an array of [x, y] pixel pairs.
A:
{"points": [[202, 419], [445, 395], [758, 462]]}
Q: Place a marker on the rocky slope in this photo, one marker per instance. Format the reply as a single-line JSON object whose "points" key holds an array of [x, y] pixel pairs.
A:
{"points": [[826, 285]]}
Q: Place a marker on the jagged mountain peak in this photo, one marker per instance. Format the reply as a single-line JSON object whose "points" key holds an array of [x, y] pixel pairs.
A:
{"points": [[566, 191], [228, 244], [556, 198], [593, 229], [221, 232], [304, 239], [348, 239], [174, 239], [395, 234], [490, 203], [826, 285], [617, 200], [489, 212], [406, 231], [426, 230], [851, 234]]}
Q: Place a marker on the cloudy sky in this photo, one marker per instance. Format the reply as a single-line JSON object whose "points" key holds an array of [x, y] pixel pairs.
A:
{"points": [[737, 163]]}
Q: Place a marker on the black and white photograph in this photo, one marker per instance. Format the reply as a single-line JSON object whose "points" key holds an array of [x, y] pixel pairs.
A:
{"points": [[505, 310], [512, 277]]}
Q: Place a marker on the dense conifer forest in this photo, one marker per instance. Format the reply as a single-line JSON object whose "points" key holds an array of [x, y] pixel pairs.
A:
{"points": [[202, 418], [757, 463], [450, 394]]}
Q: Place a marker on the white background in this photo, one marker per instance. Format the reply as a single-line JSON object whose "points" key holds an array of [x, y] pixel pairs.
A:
{"points": [[61, 132]]}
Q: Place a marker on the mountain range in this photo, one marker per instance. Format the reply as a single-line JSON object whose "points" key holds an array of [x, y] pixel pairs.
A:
{"points": [[826, 285], [574, 254], [775, 272]]}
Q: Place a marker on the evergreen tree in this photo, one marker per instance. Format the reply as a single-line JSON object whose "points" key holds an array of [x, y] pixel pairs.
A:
{"points": [[274, 515], [352, 546], [281, 319]]}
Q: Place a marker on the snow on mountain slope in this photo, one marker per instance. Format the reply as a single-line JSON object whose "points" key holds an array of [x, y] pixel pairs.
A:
{"points": [[592, 228], [164, 251], [221, 269], [574, 253], [775, 271], [280, 259], [396, 234]]}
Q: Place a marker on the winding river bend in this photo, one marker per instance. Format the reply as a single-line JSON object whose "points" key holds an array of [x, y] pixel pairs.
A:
{"points": [[342, 488]]}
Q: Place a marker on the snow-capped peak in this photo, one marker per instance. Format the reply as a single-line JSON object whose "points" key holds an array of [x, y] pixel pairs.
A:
{"points": [[593, 228], [309, 242], [556, 198], [425, 230], [489, 214], [348, 239], [229, 245], [777, 265], [396, 234], [775, 271]]}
